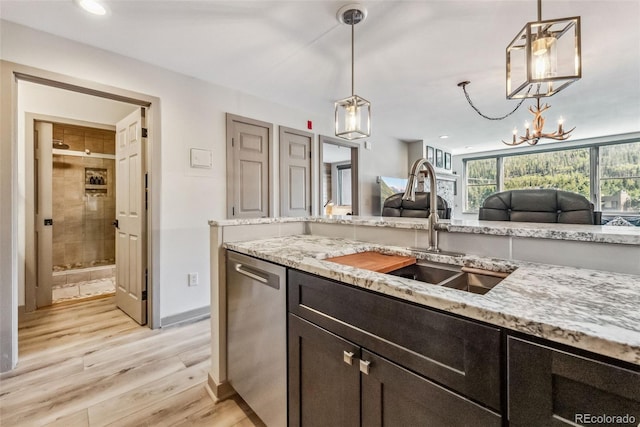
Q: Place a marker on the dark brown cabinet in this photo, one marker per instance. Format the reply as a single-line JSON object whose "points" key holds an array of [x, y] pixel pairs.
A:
{"points": [[324, 390], [553, 388], [395, 396], [360, 358]]}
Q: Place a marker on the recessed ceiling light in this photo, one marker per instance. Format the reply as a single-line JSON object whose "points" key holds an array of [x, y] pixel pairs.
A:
{"points": [[468, 147], [92, 6], [444, 136]]}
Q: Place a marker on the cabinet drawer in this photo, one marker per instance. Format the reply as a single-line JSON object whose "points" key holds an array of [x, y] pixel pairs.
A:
{"points": [[460, 354], [551, 387]]}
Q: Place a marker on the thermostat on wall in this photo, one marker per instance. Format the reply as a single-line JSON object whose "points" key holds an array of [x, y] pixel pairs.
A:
{"points": [[201, 158]]}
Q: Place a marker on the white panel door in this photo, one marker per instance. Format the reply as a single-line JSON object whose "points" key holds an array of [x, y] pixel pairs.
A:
{"points": [[295, 172], [131, 218]]}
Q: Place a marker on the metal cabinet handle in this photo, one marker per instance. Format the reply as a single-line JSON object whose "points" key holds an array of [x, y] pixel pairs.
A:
{"points": [[364, 366], [249, 274], [347, 356]]}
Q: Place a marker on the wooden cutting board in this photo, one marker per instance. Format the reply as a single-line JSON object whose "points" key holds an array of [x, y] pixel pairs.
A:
{"points": [[374, 261]]}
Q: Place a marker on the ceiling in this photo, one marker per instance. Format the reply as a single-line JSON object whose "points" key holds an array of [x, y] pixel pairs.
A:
{"points": [[409, 57]]}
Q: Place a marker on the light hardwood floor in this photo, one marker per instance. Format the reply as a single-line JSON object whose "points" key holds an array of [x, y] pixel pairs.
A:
{"points": [[88, 364]]}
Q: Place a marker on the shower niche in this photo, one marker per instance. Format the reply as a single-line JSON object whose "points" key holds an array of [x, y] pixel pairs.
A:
{"points": [[95, 181]]}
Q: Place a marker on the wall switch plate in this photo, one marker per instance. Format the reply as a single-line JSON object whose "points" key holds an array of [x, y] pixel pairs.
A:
{"points": [[193, 279], [367, 145], [201, 158]]}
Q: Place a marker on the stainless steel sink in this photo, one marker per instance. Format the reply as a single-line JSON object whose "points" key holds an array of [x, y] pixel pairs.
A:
{"points": [[450, 276], [427, 272], [472, 282]]}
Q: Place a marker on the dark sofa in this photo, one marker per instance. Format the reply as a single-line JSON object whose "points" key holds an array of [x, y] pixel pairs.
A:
{"points": [[395, 206], [539, 205]]}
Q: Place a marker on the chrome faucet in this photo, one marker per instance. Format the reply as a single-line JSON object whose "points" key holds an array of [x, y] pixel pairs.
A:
{"points": [[410, 194]]}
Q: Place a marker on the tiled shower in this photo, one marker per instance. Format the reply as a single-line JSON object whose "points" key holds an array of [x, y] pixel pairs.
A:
{"points": [[83, 212]]}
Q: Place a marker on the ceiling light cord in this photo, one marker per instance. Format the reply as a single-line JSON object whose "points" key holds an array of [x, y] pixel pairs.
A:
{"points": [[464, 84], [353, 84]]}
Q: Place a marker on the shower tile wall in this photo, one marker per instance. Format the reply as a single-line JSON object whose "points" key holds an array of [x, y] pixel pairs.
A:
{"points": [[82, 232]]}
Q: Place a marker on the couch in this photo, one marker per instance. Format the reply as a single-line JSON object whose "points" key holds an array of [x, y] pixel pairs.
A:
{"points": [[539, 205], [396, 207]]}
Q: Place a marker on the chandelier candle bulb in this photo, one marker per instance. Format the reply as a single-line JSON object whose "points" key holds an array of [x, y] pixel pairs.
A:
{"points": [[560, 122]]}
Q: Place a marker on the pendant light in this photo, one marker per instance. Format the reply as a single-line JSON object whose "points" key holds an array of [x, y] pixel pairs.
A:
{"points": [[542, 59], [545, 54], [352, 114]]}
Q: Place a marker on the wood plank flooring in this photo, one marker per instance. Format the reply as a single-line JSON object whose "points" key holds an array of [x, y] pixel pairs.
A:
{"points": [[88, 364]]}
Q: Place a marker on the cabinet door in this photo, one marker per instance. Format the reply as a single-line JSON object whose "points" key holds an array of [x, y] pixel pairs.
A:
{"points": [[553, 388], [324, 390], [394, 396]]}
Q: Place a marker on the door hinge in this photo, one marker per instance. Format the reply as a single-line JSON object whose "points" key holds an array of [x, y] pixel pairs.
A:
{"points": [[233, 211], [145, 133], [232, 142], [144, 295]]}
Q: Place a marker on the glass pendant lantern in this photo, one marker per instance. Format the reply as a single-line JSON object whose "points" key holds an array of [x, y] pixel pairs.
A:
{"points": [[544, 57], [353, 113]]}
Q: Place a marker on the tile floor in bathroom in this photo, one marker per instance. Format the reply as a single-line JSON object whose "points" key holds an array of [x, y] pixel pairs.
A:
{"points": [[82, 290]]}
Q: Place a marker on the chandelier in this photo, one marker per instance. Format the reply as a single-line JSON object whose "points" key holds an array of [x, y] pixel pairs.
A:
{"points": [[543, 59], [352, 114], [532, 137]]}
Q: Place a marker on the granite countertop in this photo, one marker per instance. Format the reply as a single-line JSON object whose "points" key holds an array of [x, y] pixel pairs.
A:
{"points": [[574, 232], [587, 309]]}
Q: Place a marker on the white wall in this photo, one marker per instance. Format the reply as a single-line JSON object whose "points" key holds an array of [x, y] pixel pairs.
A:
{"points": [[387, 157], [192, 116]]}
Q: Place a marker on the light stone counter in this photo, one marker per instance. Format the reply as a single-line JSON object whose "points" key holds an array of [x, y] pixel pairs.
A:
{"points": [[593, 310], [570, 232]]}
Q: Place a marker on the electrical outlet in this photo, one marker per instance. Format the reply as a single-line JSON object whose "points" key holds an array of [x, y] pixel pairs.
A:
{"points": [[193, 279]]}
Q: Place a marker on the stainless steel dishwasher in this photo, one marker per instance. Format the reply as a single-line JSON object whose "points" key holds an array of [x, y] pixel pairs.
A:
{"points": [[257, 335]]}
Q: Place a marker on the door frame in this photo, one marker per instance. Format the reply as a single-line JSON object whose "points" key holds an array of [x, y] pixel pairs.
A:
{"points": [[10, 74], [355, 173], [31, 258]]}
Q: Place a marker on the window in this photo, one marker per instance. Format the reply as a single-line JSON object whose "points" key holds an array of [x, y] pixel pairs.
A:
{"points": [[481, 181], [608, 173], [620, 178], [565, 170], [344, 184]]}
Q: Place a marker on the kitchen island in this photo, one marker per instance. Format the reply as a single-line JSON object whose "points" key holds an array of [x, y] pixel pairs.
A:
{"points": [[588, 309]]}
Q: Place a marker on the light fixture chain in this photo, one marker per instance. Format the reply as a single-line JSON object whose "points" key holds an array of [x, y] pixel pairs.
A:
{"points": [[464, 88]]}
